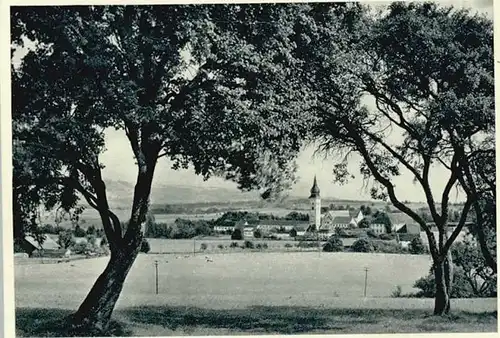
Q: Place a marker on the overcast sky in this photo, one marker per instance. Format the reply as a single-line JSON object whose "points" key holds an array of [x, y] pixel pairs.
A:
{"points": [[120, 164]]}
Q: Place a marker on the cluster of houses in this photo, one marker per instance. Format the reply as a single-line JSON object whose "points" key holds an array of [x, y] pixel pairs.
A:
{"points": [[324, 223], [48, 247], [329, 221]]}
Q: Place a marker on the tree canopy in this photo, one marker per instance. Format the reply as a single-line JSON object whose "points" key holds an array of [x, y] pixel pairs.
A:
{"points": [[414, 91], [209, 87]]}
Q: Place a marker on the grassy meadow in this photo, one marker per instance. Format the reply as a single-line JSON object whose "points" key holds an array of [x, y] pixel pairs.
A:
{"points": [[246, 293]]}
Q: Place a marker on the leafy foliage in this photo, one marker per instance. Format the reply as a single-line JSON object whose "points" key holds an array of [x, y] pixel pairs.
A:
{"points": [[145, 247], [391, 94], [297, 216], [417, 246], [364, 223], [334, 244], [362, 245], [380, 217], [78, 231], [480, 277], [237, 234], [248, 245], [257, 233], [65, 239]]}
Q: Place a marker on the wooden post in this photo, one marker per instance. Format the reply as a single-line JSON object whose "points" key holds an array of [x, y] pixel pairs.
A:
{"points": [[156, 268], [366, 279]]}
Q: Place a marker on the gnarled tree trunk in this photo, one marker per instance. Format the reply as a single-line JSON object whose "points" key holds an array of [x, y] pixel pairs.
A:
{"points": [[94, 314], [442, 299], [443, 274]]}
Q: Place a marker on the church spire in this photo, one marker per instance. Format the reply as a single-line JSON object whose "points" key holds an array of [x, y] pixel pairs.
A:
{"points": [[314, 189]]}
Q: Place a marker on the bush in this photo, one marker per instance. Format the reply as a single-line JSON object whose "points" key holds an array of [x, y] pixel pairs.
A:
{"points": [[334, 244], [416, 246], [145, 247], [203, 247], [79, 232], [248, 245], [288, 245], [293, 233], [371, 234], [386, 237], [91, 230], [386, 247], [364, 223], [82, 248], [258, 246], [397, 292], [65, 239], [237, 234], [461, 286], [362, 245], [257, 234], [233, 245], [220, 246], [264, 246], [308, 244]]}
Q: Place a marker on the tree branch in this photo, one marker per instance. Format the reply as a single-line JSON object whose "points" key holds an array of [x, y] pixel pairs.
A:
{"points": [[391, 192], [449, 185], [459, 227]]}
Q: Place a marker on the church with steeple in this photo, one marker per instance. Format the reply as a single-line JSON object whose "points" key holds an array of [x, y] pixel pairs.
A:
{"points": [[328, 221], [315, 213]]}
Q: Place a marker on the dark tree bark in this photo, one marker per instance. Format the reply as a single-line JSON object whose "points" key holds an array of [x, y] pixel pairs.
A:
{"points": [[442, 299], [94, 314]]}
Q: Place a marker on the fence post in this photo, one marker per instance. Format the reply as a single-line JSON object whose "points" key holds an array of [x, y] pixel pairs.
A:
{"points": [[366, 279], [156, 269]]}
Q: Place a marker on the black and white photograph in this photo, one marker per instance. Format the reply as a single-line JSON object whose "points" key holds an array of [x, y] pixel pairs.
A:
{"points": [[249, 168]]}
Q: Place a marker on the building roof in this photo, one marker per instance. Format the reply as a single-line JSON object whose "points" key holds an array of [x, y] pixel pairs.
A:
{"points": [[410, 228], [400, 218], [314, 189], [48, 243], [342, 220], [337, 213]]}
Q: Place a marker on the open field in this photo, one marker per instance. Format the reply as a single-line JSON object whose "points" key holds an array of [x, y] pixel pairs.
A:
{"points": [[251, 293]]}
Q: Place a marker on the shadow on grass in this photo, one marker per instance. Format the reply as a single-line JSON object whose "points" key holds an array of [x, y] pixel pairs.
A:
{"points": [[254, 320], [38, 322]]}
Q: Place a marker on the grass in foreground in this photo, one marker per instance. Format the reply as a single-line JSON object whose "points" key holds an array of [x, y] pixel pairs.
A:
{"points": [[168, 320]]}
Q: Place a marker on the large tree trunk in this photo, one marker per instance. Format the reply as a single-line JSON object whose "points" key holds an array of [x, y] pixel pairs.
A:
{"points": [[94, 314], [448, 277], [442, 299]]}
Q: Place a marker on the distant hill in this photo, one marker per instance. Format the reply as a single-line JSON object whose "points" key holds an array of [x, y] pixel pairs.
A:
{"points": [[120, 194]]}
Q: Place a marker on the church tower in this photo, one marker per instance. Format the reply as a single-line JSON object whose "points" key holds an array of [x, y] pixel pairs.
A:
{"points": [[315, 205]]}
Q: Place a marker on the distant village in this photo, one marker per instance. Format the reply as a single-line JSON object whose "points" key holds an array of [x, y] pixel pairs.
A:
{"points": [[321, 223], [318, 224]]}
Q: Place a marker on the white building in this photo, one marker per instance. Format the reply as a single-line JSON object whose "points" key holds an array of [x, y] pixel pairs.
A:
{"points": [[378, 228]]}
